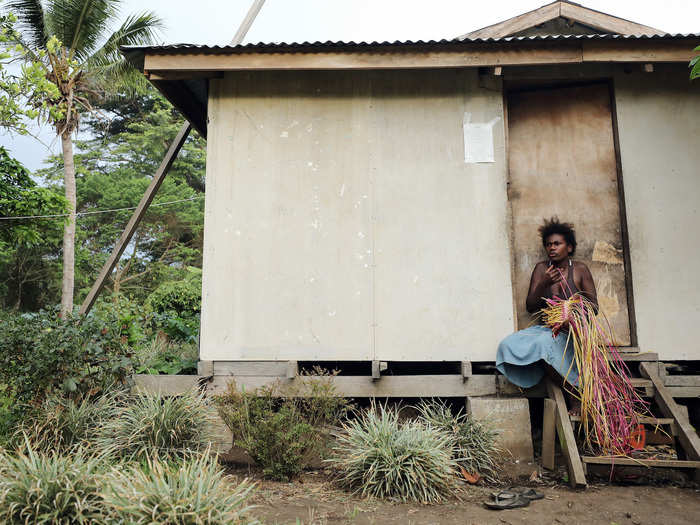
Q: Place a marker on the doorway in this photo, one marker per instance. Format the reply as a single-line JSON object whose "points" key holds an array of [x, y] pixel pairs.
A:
{"points": [[562, 162]]}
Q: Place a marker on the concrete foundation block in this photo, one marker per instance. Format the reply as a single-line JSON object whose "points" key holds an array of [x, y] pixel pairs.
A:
{"points": [[511, 417]]}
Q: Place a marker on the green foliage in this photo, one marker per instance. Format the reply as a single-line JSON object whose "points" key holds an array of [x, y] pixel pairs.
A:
{"points": [[282, 431], [113, 172], [381, 456], [695, 65], [151, 425], [49, 488], [41, 354], [10, 415], [170, 362], [184, 297], [473, 442], [28, 247], [194, 492], [176, 307], [24, 95]]}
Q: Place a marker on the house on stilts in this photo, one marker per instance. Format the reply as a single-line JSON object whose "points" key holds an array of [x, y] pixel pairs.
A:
{"points": [[373, 207]]}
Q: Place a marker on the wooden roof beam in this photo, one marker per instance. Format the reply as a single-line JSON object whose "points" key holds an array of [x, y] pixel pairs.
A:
{"points": [[540, 53]]}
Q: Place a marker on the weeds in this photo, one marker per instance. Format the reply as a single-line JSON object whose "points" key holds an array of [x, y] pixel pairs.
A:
{"points": [[382, 457], [283, 430]]}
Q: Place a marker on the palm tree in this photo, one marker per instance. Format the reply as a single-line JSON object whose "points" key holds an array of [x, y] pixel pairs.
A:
{"points": [[70, 37]]}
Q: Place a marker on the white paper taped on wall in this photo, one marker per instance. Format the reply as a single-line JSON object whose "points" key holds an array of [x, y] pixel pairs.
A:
{"points": [[478, 140]]}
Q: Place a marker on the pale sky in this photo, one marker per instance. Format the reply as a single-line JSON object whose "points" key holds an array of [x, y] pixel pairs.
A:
{"points": [[216, 21]]}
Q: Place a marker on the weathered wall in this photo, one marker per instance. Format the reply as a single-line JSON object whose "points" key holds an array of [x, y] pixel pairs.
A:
{"points": [[659, 128], [342, 222]]}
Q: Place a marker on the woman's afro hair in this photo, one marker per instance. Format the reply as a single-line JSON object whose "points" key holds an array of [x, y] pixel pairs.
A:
{"points": [[552, 226]]}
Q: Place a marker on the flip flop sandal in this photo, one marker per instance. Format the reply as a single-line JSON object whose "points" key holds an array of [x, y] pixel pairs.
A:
{"points": [[504, 494], [507, 503], [528, 493]]}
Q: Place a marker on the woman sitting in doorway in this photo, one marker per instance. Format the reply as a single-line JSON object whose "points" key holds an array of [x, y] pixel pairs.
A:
{"points": [[526, 356]]}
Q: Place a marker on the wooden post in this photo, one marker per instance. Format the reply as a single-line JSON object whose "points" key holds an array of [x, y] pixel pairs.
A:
{"points": [[165, 165], [549, 418], [138, 214], [686, 433], [466, 370], [247, 22], [577, 478], [292, 369]]}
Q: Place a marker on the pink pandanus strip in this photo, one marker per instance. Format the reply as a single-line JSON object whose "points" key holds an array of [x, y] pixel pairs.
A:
{"points": [[610, 407]]}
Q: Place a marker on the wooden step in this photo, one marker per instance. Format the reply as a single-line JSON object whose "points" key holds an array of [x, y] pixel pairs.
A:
{"points": [[631, 353], [644, 420], [659, 463]]}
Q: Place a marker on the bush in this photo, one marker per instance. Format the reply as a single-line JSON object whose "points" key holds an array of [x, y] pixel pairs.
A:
{"points": [[153, 425], [41, 354], [473, 442], [50, 489], [175, 306], [380, 456], [283, 431], [10, 415], [193, 492]]}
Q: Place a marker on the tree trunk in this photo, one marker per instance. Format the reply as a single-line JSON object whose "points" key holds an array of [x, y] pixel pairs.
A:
{"points": [[69, 231]]}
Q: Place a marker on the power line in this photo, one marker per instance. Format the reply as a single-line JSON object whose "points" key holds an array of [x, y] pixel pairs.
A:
{"points": [[95, 212]]}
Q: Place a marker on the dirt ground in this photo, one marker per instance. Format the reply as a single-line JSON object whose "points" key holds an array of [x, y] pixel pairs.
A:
{"points": [[315, 500]]}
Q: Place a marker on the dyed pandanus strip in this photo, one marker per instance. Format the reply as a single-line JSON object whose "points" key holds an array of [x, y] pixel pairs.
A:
{"points": [[610, 406]]}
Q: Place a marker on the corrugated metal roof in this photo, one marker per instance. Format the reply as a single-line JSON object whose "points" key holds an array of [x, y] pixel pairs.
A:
{"points": [[292, 46]]}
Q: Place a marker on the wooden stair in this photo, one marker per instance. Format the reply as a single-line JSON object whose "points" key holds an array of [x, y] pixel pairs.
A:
{"points": [[556, 416]]}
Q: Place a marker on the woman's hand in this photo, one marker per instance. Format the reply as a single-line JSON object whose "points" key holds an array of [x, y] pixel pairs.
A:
{"points": [[552, 275]]}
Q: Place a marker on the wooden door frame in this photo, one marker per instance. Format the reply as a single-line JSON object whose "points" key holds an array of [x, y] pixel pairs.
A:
{"points": [[520, 85]]}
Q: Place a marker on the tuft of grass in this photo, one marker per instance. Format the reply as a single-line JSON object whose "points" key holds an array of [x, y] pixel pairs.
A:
{"points": [[151, 424], [50, 488], [62, 424], [192, 492], [381, 456], [473, 441]]}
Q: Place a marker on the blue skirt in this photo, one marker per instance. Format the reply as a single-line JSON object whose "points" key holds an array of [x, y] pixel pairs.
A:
{"points": [[521, 356]]}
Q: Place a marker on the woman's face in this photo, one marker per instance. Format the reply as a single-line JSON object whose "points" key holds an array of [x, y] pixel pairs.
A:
{"points": [[557, 247]]}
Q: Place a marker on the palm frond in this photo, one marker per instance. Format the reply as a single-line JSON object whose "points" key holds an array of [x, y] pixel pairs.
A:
{"points": [[80, 24], [136, 29], [30, 21], [111, 68]]}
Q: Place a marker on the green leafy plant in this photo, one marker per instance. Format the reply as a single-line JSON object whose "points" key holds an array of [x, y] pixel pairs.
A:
{"points": [[473, 442], [10, 414], [176, 305], [42, 354], [379, 455], [154, 425], [169, 362], [695, 65], [282, 429], [193, 492], [50, 488]]}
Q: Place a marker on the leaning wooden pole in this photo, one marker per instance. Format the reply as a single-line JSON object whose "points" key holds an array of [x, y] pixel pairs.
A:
{"points": [[163, 169], [135, 220]]}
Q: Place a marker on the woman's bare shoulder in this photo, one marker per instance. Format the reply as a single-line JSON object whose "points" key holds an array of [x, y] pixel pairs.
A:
{"points": [[581, 266]]}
